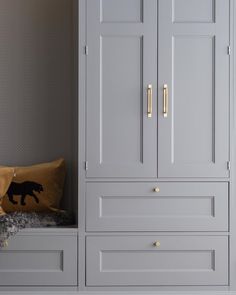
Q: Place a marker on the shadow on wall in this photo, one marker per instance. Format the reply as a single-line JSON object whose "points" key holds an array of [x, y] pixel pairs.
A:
{"points": [[36, 82]]}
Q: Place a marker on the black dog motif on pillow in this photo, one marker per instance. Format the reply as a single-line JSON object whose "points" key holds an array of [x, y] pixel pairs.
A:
{"points": [[23, 189]]}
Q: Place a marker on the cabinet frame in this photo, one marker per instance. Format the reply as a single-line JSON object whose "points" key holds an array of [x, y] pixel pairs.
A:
{"points": [[83, 180]]}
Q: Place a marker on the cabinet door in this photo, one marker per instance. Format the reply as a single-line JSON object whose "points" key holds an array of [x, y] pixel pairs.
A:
{"points": [[121, 63], [194, 63]]}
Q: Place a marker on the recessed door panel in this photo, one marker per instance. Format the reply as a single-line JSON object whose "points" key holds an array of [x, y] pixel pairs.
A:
{"points": [[193, 134], [194, 100], [130, 11], [121, 86], [121, 64], [193, 11]]}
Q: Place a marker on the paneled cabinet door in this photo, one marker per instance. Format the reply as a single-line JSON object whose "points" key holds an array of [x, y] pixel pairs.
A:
{"points": [[121, 82], [193, 89]]}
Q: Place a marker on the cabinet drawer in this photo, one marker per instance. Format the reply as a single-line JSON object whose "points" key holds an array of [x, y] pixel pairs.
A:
{"points": [[39, 260], [135, 261], [177, 206]]}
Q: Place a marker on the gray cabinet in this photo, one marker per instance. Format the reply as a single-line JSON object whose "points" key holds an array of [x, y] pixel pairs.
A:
{"points": [[157, 260], [192, 88], [156, 125]]}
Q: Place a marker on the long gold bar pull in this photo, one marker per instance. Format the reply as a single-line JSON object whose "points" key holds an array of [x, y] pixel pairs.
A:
{"points": [[165, 100], [149, 101]]}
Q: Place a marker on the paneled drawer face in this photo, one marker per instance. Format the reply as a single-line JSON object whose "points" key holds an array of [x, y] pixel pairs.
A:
{"points": [[176, 260], [39, 260], [198, 206]]}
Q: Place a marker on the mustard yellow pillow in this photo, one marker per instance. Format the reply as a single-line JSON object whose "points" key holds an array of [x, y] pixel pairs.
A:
{"points": [[6, 175], [37, 188]]}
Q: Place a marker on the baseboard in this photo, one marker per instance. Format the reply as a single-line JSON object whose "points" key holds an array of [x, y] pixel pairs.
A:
{"points": [[118, 293]]}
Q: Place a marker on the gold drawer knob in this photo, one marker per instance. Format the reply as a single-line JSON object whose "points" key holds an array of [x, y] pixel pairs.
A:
{"points": [[157, 244], [156, 189]]}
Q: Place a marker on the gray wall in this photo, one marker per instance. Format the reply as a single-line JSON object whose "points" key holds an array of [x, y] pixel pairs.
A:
{"points": [[37, 96]]}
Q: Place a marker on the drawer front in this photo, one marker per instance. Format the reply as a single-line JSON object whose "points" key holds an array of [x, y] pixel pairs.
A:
{"points": [[176, 260], [198, 206], [39, 260]]}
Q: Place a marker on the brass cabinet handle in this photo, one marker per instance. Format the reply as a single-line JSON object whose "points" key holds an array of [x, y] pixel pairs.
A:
{"points": [[149, 101], [165, 100], [5, 244], [157, 244]]}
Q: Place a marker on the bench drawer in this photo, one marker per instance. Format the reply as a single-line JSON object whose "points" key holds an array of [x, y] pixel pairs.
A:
{"points": [[39, 260], [177, 206], [176, 260]]}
